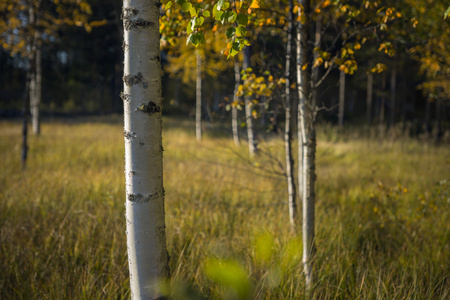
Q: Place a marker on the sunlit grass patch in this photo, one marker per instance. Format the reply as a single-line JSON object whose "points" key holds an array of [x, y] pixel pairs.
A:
{"points": [[382, 216]]}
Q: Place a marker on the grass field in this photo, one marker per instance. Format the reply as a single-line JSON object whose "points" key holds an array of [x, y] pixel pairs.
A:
{"points": [[382, 217]]}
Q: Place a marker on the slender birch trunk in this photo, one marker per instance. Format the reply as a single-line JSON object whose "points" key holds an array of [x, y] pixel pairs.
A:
{"points": [[145, 217], [36, 69], [288, 134], [317, 42], [248, 109], [341, 98], [307, 141], [234, 110], [369, 95], [198, 97]]}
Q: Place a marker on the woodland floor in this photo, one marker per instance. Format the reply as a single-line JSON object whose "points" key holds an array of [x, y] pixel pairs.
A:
{"points": [[382, 216]]}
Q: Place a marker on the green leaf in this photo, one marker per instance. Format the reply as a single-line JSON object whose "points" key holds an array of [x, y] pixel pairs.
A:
{"points": [[189, 27], [193, 11], [226, 5], [241, 31], [206, 13], [230, 32], [168, 5], [230, 274], [220, 4], [232, 17], [447, 13], [242, 19], [218, 16], [199, 21], [196, 39], [186, 6]]}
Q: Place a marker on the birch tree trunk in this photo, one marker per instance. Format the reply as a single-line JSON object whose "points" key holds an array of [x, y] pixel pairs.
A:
{"points": [[198, 97], [369, 95], [248, 109], [36, 93], [317, 42], [341, 98], [35, 87], [307, 141], [288, 136], [145, 217], [234, 110]]}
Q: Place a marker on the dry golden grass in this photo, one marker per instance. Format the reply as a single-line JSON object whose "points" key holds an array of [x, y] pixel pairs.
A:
{"points": [[382, 217]]}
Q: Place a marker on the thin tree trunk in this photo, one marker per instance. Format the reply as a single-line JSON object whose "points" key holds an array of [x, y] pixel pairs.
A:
{"points": [[341, 98], [307, 142], [393, 90], [317, 42], [198, 97], [248, 110], [36, 69], [288, 134], [234, 110], [369, 95], [145, 216]]}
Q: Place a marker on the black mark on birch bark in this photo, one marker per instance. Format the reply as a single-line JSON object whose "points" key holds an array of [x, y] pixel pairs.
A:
{"points": [[139, 198], [125, 97], [129, 135], [131, 80], [149, 108], [127, 15]]}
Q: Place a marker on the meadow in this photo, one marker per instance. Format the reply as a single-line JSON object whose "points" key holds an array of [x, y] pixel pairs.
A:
{"points": [[382, 216]]}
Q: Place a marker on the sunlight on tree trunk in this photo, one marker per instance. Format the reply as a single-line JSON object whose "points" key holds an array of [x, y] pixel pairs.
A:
{"points": [[145, 217], [234, 110], [288, 135], [248, 109], [198, 97], [307, 142]]}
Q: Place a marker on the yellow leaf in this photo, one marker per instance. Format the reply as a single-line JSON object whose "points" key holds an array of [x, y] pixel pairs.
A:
{"points": [[254, 4]]}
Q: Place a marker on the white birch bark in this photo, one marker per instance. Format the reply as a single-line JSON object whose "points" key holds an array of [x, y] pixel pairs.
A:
{"points": [[307, 142], [341, 98], [36, 68], [145, 217], [248, 110], [198, 97], [234, 110], [292, 201], [36, 93]]}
